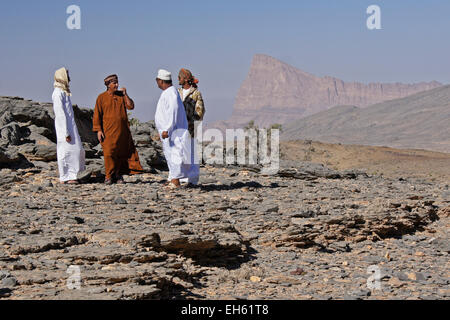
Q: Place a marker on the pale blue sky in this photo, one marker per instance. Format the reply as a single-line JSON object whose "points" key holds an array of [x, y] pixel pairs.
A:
{"points": [[216, 40]]}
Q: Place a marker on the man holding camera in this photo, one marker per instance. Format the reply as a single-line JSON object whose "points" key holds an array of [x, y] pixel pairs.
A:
{"points": [[110, 121]]}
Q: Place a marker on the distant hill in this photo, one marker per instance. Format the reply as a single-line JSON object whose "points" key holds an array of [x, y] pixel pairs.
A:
{"points": [[275, 92], [418, 121]]}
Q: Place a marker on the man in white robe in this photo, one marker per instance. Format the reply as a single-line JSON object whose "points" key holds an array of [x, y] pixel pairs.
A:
{"points": [[70, 151], [172, 125]]}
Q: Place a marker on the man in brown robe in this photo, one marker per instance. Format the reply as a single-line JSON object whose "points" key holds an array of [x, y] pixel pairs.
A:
{"points": [[113, 130]]}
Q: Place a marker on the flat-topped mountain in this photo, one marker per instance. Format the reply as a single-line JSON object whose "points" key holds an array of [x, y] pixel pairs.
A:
{"points": [[418, 121], [275, 92]]}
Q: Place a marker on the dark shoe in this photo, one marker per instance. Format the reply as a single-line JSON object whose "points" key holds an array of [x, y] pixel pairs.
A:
{"points": [[84, 176], [191, 185], [108, 182], [120, 180]]}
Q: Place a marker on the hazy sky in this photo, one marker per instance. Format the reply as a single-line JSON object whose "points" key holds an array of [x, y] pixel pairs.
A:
{"points": [[216, 40]]}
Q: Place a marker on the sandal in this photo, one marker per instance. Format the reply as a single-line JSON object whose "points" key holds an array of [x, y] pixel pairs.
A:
{"points": [[73, 182], [172, 186]]}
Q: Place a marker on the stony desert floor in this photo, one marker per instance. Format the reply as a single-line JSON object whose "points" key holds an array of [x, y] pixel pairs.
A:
{"points": [[307, 232], [389, 162]]}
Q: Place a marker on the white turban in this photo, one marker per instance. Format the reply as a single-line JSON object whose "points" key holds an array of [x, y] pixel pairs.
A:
{"points": [[164, 75]]}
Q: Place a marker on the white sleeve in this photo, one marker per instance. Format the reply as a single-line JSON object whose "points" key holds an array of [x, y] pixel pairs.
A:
{"points": [[60, 114], [166, 115]]}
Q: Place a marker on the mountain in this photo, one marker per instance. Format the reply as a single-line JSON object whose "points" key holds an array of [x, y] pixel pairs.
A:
{"points": [[418, 121], [275, 92]]}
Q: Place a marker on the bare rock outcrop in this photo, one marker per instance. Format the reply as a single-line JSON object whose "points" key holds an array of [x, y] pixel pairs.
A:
{"points": [[275, 92], [28, 137]]}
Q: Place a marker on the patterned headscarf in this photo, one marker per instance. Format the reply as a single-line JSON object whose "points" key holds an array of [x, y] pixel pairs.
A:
{"points": [[186, 74], [62, 81], [111, 78]]}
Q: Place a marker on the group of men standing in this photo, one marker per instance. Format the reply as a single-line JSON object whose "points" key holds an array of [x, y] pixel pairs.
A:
{"points": [[176, 114]]}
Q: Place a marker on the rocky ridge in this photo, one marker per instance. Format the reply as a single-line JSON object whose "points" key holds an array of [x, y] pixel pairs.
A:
{"points": [[275, 92], [418, 121]]}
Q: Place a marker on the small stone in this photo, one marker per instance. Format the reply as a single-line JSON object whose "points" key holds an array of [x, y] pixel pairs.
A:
{"points": [[401, 276], [79, 220], [416, 276], [271, 209], [154, 196], [5, 292], [8, 282], [298, 272], [177, 222], [420, 277], [396, 283], [358, 294], [120, 200], [239, 297], [412, 276], [48, 184], [255, 279]]}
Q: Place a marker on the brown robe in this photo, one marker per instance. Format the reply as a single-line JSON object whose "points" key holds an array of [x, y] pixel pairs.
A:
{"points": [[120, 154]]}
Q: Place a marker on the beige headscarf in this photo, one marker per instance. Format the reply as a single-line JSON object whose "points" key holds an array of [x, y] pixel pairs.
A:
{"points": [[62, 80]]}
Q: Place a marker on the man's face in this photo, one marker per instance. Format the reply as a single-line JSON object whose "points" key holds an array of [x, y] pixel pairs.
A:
{"points": [[159, 82], [181, 80], [113, 85]]}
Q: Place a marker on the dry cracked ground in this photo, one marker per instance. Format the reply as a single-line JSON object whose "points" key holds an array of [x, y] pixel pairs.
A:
{"points": [[307, 232]]}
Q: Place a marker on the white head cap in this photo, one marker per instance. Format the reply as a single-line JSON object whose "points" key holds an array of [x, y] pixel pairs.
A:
{"points": [[164, 75]]}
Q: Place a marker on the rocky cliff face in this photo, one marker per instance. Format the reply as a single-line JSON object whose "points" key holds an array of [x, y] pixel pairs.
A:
{"points": [[275, 92]]}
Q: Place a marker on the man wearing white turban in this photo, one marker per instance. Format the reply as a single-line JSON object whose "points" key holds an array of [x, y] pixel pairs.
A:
{"points": [[172, 125], [70, 151]]}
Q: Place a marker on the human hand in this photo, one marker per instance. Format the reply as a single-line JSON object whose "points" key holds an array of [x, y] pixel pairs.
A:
{"points": [[100, 136], [165, 135], [68, 139]]}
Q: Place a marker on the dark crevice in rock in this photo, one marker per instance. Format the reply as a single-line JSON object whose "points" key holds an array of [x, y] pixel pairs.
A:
{"points": [[58, 244]]}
